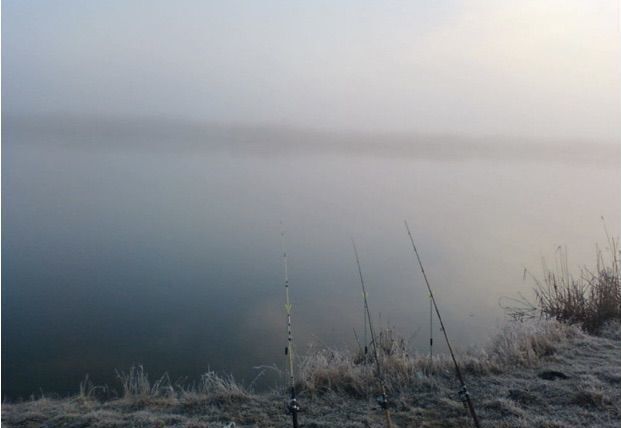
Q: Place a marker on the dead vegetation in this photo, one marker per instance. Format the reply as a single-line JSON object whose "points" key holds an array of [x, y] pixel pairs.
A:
{"points": [[337, 389], [589, 300], [518, 345]]}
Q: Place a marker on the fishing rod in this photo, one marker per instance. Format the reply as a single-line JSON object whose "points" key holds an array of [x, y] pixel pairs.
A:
{"points": [[382, 400], [463, 392], [292, 406]]}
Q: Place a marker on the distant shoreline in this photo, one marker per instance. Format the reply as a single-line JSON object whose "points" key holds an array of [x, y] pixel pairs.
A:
{"points": [[179, 136]]}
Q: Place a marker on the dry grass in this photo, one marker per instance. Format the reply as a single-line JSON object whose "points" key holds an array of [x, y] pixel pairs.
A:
{"points": [[518, 345], [216, 389], [211, 387], [591, 299], [524, 344], [502, 378], [135, 384]]}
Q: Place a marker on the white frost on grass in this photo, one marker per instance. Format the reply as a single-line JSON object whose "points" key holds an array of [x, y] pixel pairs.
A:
{"points": [[502, 378]]}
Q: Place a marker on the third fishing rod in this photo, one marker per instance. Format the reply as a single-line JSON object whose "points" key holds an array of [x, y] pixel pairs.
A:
{"points": [[383, 399], [463, 392]]}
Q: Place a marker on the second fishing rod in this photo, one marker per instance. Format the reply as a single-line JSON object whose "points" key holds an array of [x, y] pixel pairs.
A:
{"points": [[383, 399]]}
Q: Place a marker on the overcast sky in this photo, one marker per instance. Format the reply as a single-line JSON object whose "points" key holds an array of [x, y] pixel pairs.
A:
{"points": [[528, 68]]}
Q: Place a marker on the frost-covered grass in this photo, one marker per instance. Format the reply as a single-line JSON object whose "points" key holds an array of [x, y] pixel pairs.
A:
{"points": [[518, 345], [503, 379]]}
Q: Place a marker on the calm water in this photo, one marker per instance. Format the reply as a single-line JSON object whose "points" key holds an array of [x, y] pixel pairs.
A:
{"points": [[115, 254]]}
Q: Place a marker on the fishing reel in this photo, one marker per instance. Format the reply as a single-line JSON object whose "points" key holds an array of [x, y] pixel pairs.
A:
{"points": [[382, 401], [463, 394], [293, 406]]}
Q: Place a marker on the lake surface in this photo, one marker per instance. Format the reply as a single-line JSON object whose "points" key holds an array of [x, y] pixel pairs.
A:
{"points": [[116, 253]]}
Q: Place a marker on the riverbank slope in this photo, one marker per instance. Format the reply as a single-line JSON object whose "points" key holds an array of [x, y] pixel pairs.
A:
{"points": [[535, 374]]}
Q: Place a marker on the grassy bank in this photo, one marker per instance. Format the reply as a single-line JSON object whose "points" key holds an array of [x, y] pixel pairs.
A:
{"points": [[532, 374], [558, 364]]}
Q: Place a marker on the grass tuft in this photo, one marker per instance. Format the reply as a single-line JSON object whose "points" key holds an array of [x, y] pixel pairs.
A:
{"points": [[332, 371], [523, 344], [590, 300], [216, 389], [136, 384]]}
